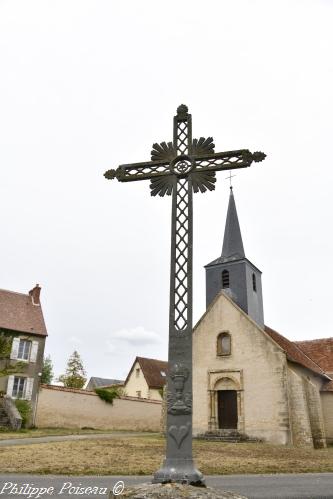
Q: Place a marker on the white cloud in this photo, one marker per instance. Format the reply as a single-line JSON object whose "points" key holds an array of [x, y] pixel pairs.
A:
{"points": [[134, 336]]}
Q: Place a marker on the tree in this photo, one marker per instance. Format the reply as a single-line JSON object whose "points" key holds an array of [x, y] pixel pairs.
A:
{"points": [[47, 371], [75, 376]]}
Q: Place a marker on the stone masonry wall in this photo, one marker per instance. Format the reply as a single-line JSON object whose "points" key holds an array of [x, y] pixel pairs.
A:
{"points": [[315, 414], [69, 408], [257, 368], [298, 406], [327, 405]]}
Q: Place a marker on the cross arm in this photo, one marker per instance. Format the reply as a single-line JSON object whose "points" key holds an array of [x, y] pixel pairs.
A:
{"points": [[228, 160], [139, 171]]}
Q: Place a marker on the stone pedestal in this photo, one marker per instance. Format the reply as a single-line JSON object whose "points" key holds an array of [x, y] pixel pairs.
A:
{"points": [[174, 491]]}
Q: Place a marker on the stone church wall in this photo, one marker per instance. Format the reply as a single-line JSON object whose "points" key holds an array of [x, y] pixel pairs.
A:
{"points": [[327, 404], [257, 368], [315, 415], [68, 408], [299, 415], [311, 388]]}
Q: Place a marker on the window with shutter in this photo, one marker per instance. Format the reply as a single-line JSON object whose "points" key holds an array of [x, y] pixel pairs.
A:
{"points": [[29, 387], [10, 385], [24, 350], [15, 348], [19, 387], [34, 350]]}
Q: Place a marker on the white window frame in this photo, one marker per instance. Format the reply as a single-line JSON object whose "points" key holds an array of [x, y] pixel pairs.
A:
{"points": [[24, 350], [27, 387], [24, 387]]}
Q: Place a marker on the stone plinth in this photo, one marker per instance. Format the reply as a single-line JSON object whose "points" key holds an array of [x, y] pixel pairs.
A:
{"points": [[174, 491]]}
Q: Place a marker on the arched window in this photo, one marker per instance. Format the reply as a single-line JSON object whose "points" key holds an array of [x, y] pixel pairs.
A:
{"points": [[254, 282], [225, 279], [224, 344]]}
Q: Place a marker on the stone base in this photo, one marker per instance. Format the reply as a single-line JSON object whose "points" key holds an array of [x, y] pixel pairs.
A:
{"points": [[183, 471], [174, 491]]}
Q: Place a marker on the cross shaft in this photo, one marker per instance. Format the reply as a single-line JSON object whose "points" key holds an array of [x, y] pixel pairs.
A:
{"points": [[180, 168]]}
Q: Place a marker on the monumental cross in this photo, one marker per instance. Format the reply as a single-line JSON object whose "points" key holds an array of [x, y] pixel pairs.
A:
{"points": [[179, 168]]}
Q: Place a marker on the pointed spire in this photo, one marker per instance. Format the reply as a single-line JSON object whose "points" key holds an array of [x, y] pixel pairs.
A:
{"points": [[233, 248]]}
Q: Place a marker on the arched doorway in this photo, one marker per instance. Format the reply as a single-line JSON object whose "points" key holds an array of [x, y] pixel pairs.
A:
{"points": [[226, 404], [227, 413]]}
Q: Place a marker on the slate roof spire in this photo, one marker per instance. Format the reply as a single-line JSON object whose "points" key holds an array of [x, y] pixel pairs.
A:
{"points": [[233, 248]]}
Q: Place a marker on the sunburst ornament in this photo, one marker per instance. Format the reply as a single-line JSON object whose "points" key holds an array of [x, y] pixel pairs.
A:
{"points": [[203, 146], [203, 181], [162, 185], [182, 166], [163, 151]]}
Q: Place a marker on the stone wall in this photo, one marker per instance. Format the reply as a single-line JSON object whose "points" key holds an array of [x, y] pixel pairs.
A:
{"points": [[327, 405], [312, 384], [315, 414], [299, 415], [69, 408], [256, 368]]}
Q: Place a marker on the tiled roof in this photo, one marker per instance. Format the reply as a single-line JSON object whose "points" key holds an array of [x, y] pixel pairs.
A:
{"points": [[99, 382], [321, 351], [294, 353], [18, 313], [152, 369]]}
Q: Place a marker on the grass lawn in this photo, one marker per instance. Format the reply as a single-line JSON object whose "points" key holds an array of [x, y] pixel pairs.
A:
{"points": [[143, 455], [45, 432]]}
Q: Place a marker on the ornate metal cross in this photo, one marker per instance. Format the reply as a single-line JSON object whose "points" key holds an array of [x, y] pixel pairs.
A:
{"points": [[179, 168]]}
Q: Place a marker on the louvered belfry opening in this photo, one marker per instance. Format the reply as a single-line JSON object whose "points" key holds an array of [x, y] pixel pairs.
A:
{"points": [[225, 279]]}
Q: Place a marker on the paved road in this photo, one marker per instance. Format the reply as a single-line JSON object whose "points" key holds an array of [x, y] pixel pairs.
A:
{"points": [[63, 438], [296, 486]]}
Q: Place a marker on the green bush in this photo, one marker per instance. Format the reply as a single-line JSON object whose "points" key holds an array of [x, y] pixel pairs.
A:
{"points": [[108, 394], [24, 408]]}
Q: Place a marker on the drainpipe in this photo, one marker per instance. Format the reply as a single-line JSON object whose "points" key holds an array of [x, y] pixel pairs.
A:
{"points": [[36, 401]]}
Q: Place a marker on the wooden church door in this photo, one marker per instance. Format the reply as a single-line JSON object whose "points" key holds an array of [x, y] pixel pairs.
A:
{"points": [[227, 409]]}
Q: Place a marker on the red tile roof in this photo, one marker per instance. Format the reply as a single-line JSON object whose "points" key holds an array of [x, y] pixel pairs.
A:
{"points": [[151, 369], [321, 351], [18, 313], [294, 353]]}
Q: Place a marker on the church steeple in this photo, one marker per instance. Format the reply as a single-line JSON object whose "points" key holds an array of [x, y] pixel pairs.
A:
{"points": [[232, 242], [233, 272]]}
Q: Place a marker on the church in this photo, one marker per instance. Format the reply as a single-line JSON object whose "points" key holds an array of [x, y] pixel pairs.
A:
{"points": [[249, 381]]}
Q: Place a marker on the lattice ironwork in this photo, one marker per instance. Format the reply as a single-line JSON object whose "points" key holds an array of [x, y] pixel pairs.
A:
{"points": [[182, 137], [181, 256], [180, 168]]}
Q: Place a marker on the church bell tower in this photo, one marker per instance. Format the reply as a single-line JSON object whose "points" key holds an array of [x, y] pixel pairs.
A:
{"points": [[233, 272]]}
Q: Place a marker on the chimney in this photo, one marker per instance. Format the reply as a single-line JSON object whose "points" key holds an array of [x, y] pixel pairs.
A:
{"points": [[35, 294]]}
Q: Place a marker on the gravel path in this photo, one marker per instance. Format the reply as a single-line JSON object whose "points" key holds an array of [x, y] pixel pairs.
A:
{"points": [[64, 438]]}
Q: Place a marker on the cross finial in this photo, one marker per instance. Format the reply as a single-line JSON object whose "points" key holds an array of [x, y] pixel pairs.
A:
{"points": [[182, 111], [229, 178]]}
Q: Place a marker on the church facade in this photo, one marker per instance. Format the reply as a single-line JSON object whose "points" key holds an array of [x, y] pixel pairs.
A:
{"points": [[249, 380]]}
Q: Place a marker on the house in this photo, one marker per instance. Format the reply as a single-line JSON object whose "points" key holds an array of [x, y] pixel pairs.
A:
{"points": [[102, 383], [249, 380], [146, 378], [22, 324]]}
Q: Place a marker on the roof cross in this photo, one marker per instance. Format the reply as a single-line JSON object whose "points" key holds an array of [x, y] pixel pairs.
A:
{"points": [[229, 178]]}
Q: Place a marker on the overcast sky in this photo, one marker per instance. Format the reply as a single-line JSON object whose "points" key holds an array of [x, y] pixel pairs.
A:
{"points": [[87, 85]]}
